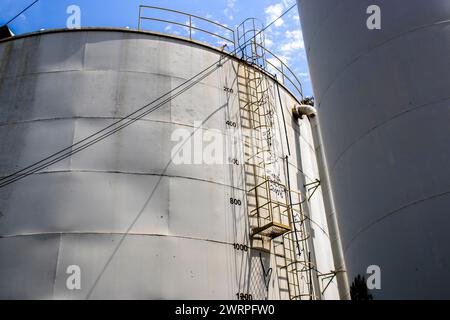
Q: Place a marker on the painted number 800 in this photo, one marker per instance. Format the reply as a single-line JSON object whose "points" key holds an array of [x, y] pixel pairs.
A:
{"points": [[235, 202]]}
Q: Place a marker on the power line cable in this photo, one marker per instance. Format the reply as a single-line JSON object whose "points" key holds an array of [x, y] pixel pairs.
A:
{"points": [[68, 151], [15, 17]]}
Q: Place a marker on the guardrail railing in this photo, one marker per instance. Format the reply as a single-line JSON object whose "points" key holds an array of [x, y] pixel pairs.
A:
{"points": [[288, 78], [225, 33]]}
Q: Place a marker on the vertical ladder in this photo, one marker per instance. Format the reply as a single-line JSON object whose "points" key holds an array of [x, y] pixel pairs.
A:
{"points": [[269, 214], [274, 212]]}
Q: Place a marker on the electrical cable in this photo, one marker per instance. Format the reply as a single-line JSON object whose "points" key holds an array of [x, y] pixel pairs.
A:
{"points": [[15, 17], [284, 120]]}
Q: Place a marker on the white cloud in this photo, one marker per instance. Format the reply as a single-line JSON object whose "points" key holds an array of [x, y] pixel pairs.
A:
{"points": [[284, 59], [229, 9], [288, 3], [304, 76], [230, 3], [295, 35], [273, 12], [228, 14], [294, 41], [274, 65], [274, 62]]}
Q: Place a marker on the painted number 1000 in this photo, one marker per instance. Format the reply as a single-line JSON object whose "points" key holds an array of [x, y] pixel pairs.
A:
{"points": [[238, 246]]}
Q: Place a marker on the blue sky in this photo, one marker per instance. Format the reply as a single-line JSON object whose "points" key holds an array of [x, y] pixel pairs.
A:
{"points": [[284, 38]]}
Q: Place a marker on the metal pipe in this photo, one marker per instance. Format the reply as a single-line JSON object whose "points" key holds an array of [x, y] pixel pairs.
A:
{"points": [[303, 110], [139, 22], [332, 223], [190, 27]]}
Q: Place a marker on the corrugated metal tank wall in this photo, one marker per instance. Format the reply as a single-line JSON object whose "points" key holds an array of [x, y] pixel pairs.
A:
{"points": [[383, 100], [138, 226]]}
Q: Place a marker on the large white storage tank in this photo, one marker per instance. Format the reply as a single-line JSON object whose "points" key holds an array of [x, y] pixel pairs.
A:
{"points": [[383, 103], [137, 225]]}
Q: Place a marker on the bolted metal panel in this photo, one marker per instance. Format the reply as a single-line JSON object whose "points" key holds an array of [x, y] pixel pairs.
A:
{"points": [[384, 106]]}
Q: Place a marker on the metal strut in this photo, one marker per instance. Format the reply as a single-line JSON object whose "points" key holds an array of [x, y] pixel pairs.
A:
{"points": [[314, 185]]}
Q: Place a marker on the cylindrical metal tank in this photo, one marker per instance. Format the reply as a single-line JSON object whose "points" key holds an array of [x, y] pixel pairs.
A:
{"points": [[383, 99], [138, 225]]}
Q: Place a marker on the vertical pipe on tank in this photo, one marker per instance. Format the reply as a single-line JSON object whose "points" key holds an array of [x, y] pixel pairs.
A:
{"points": [[333, 226]]}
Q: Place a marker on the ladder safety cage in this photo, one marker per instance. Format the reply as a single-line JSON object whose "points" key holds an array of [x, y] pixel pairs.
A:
{"points": [[251, 42], [272, 215], [298, 264], [252, 48]]}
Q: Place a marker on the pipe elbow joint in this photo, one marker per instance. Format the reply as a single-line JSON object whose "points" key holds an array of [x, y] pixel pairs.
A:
{"points": [[298, 111]]}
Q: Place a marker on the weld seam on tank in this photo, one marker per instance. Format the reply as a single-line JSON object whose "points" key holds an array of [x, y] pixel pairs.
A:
{"points": [[96, 118], [374, 48], [143, 174], [107, 71], [381, 124], [18, 123], [112, 233], [146, 174], [233, 59], [156, 235], [137, 174], [85, 71], [394, 212]]}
